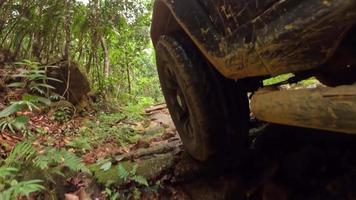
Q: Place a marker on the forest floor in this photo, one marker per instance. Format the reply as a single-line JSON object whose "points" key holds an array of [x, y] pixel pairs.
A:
{"points": [[284, 162], [140, 156]]}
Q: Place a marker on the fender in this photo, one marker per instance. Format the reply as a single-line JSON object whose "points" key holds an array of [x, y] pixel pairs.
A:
{"points": [[289, 36]]}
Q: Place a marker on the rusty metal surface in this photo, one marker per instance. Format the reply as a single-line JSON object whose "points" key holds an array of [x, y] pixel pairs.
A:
{"points": [[280, 37]]}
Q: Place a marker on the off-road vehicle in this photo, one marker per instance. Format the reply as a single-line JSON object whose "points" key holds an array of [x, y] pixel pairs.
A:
{"points": [[212, 53]]}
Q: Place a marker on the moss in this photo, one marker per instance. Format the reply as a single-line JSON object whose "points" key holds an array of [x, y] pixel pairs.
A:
{"points": [[149, 168]]}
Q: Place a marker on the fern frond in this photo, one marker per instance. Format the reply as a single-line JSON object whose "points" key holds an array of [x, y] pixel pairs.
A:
{"points": [[41, 161], [123, 173], [7, 171], [6, 195], [23, 151], [23, 188], [74, 163], [140, 180]]}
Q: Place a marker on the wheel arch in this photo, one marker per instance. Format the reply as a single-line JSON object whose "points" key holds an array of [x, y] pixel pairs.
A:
{"points": [[163, 21]]}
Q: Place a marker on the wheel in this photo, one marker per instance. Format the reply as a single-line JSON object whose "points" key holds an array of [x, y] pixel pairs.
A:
{"points": [[210, 112]]}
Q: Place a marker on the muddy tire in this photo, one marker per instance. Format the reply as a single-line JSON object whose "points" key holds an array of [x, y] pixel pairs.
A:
{"points": [[210, 112]]}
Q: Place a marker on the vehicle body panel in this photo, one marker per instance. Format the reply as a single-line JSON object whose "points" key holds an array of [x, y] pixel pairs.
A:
{"points": [[256, 38], [228, 15]]}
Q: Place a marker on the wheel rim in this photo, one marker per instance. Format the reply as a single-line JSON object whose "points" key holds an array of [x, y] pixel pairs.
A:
{"points": [[178, 100]]}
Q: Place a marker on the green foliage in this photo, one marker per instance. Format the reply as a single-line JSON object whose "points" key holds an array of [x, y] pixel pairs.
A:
{"points": [[34, 78], [63, 114], [12, 124], [22, 153], [32, 82], [11, 189], [30, 102], [93, 34], [109, 39], [105, 164], [284, 77], [111, 194], [125, 176], [59, 157], [7, 171], [131, 175], [23, 159], [106, 127], [13, 108], [135, 109], [73, 162], [81, 143], [307, 82], [277, 79]]}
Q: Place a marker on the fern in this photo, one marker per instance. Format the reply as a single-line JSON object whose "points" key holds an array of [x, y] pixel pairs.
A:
{"points": [[23, 188], [42, 162], [7, 171], [35, 77], [12, 189], [13, 108], [22, 152], [73, 162], [140, 180], [131, 175], [24, 157], [123, 173], [60, 157]]}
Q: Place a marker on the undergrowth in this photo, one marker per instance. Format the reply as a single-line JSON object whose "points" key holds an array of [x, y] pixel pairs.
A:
{"points": [[25, 171]]}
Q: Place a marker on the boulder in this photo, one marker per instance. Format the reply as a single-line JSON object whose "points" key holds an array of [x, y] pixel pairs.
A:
{"points": [[78, 83]]}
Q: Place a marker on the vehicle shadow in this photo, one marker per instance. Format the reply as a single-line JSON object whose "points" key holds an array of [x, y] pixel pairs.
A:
{"points": [[285, 163]]}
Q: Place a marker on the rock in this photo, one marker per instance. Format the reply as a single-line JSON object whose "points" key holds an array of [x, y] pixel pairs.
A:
{"points": [[78, 83]]}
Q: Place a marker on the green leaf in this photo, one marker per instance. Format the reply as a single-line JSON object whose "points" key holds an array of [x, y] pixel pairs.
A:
{"points": [[6, 195], [13, 108], [140, 180], [16, 84], [106, 166], [44, 100], [134, 169], [6, 171], [123, 173], [73, 162], [22, 152], [11, 128], [45, 85], [54, 79], [41, 162], [25, 188], [20, 122]]}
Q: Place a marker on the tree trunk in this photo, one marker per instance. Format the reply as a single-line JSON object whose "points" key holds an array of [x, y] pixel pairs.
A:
{"points": [[128, 73], [327, 108], [67, 22], [106, 57]]}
